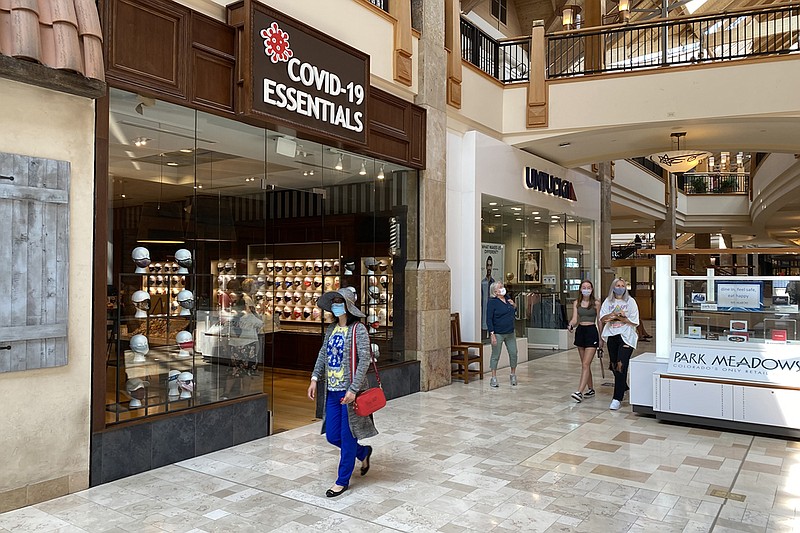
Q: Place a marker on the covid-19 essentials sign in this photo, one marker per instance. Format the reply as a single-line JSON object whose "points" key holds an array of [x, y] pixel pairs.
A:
{"points": [[308, 78]]}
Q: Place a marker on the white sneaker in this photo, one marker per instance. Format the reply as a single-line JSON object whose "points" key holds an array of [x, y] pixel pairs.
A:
{"points": [[493, 383], [514, 380], [615, 404]]}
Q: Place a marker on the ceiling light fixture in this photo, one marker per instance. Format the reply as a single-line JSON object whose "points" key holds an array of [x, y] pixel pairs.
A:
{"points": [[677, 160], [339, 165], [569, 16], [624, 10], [381, 175], [140, 141], [363, 171]]}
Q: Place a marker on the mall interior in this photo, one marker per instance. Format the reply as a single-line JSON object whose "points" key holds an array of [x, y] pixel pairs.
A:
{"points": [[171, 167]]}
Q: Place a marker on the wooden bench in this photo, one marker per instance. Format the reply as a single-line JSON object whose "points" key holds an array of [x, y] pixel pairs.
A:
{"points": [[463, 353]]}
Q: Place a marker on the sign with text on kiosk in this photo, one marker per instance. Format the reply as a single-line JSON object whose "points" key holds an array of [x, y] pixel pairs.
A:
{"points": [[739, 295], [772, 364], [306, 78]]}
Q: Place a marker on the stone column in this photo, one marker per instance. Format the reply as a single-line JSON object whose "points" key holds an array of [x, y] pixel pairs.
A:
{"points": [[604, 176], [665, 230], [428, 280]]}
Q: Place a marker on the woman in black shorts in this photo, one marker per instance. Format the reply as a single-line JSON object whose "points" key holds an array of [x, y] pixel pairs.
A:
{"points": [[587, 338]]}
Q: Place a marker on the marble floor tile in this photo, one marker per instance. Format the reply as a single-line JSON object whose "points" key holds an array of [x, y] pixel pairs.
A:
{"points": [[464, 458]]}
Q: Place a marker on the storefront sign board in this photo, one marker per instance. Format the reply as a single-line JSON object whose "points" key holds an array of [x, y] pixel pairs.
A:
{"points": [[305, 78]]}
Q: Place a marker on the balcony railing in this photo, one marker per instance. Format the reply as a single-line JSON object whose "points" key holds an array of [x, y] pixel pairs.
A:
{"points": [[507, 60], [383, 4], [682, 41], [715, 183]]}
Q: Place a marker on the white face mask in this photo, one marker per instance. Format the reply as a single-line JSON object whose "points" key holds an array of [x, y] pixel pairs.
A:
{"points": [[586, 292], [502, 291]]}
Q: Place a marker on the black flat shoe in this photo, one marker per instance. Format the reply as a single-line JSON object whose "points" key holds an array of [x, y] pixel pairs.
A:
{"points": [[365, 462], [330, 493]]}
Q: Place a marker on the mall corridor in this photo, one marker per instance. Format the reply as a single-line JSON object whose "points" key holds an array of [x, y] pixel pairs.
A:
{"points": [[465, 458]]}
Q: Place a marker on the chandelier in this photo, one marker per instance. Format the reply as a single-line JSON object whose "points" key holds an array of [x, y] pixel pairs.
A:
{"points": [[678, 160]]}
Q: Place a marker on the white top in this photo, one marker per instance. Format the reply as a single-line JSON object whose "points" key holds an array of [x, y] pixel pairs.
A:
{"points": [[628, 331]]}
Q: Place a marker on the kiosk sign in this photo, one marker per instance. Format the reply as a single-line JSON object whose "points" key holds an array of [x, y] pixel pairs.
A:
{"points": [[307, 78], [771, 364]]}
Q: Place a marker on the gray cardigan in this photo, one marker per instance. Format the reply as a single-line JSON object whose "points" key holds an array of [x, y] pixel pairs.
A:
{"points": [[362, 427]]}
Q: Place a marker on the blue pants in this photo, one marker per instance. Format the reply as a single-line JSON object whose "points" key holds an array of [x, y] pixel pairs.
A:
{"points": [[337, 431]]}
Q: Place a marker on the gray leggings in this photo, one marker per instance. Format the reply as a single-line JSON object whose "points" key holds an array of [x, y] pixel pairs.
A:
{"points": [[511, 345]]}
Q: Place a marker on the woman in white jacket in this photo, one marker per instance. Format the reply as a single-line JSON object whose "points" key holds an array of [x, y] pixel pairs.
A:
{"points": [[620, 316]]}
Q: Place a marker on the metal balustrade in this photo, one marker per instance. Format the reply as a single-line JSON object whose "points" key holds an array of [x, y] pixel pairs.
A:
{"points": [[680, 41], [383, 4], [506, 60], [715, 183]]}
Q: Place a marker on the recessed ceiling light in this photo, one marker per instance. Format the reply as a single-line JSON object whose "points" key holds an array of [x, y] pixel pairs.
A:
{"points": [[496, 209], [505, 224], [492, 203], [635, 221], [519, 219], [517, 208], [537, 218], [534, 212], [498, 215], [186, 150], [172, 164]]}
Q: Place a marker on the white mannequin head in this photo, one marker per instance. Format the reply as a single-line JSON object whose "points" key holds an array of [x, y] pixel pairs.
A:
{"points": [[137, 390], [172, 384], [141, 301], [185, 342], [139, 346], [372, 322], [184, 258], [141, 258], [186, 384], [186, 301]]}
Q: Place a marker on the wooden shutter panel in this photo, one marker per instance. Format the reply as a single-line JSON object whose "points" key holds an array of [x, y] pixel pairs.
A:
{"points": [[34, 262]]}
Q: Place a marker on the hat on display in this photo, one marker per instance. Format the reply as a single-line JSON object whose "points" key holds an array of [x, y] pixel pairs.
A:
{"points": [[326, 300], [140, 256], [371, 263], [184, 257]]}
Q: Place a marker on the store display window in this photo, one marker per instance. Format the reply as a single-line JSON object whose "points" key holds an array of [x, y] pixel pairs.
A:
{"points": [[222, 237], [541, 256]]}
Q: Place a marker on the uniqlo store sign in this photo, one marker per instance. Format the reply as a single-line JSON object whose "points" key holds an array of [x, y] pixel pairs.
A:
{"points": [[307, 78]]}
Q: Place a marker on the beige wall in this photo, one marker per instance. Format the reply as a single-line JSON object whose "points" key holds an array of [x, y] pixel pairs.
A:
{"points": [[44, 419]]}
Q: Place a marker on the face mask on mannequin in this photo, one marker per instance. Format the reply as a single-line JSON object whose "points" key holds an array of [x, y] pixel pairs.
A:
{"points": [[337, 309], [619, 291], [586, 292], [502, 291]]}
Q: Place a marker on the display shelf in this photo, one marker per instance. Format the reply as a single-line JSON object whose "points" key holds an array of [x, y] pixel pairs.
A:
{"points": [[377, 295]]}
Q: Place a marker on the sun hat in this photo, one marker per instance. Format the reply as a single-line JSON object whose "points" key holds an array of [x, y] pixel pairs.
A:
{"points": [[326, 300]]}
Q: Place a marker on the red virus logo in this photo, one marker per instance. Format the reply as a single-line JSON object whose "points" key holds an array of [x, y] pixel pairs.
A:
{"points": [[276, 43]]}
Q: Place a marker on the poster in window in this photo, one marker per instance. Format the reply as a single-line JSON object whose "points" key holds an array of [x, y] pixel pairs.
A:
{"points": [[529, 265]]}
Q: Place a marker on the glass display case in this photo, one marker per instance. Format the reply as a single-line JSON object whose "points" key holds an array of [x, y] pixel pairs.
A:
{"points": [[737, 309]]}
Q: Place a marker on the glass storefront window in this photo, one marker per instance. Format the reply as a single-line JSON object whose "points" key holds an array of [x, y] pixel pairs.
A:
{"points": [[545, 256], [222, 238]]}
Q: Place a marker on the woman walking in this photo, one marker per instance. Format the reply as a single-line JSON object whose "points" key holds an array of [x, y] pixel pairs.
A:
{"points": [[343, 427], [585, 311], [620, 316], [500, 312]]}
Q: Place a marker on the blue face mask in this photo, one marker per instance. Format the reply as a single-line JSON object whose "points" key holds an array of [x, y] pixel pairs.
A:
{"points": [[619, 291], [337, 309]]}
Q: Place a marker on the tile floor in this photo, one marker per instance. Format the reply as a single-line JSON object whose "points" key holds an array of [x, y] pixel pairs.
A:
{"points": [[465, 458]]}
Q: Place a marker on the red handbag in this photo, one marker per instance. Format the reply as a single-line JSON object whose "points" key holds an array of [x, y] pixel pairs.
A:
{"points": [[372, 399]]}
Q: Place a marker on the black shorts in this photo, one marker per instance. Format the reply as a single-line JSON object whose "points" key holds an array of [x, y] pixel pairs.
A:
{"points": [[587, 337]]}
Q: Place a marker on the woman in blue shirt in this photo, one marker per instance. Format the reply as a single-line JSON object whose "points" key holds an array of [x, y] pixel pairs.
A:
{"points": [[500, 313]]}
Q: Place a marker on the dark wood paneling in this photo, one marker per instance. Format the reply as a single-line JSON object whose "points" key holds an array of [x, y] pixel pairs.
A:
{"points": [[212, 80], [396, 129], [147, 43], [213, 35]]}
